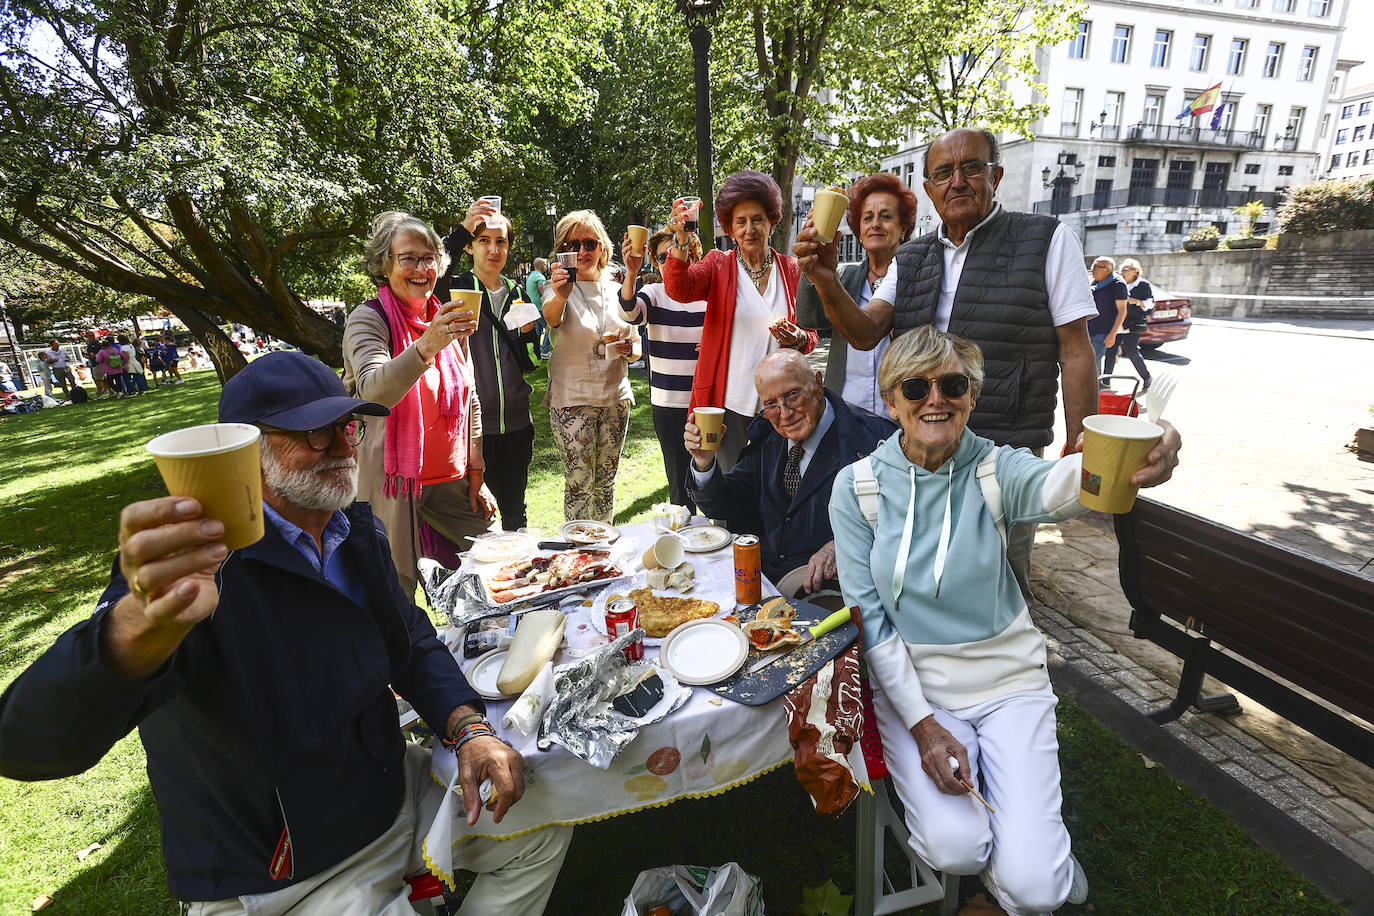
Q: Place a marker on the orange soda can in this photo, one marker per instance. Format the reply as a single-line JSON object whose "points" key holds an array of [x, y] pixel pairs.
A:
{"points": [[748, 575]]}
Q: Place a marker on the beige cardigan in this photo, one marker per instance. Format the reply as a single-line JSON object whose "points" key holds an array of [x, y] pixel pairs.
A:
{"points": [[370, 372]]}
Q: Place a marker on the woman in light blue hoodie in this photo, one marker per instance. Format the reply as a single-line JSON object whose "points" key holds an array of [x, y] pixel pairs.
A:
{"points": [[957, 667]]}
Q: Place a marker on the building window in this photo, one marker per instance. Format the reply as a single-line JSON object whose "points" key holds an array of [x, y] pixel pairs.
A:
{"points": [[1272, 58], [1285, 170], [1358, 135], [1326, 125], [1102, 194], [1173, 226], [1284, 6], [1247, 4], [1069, 114], [1154, 108], [1318, 7], [1106, 162], [1336, 162], [1078, 45], [1294, 126], [1143, 175], [1252, 168], [1121, 44], [1307, 64], [1342, 136], [1159, 54], [1369, 156], [1235, 61], [1228, 116], [1364, 109], [1111, 107], [1348, 112], [910, 174], [1262, 113], [1352, 158], [1198, 60]]}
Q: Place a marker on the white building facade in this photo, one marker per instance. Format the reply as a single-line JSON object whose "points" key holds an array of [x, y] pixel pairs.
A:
{"points": [[1351, 153], [1111, 159]]}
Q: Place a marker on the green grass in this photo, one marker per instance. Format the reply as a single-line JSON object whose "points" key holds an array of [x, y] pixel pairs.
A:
{"points": [[1148, 843]]}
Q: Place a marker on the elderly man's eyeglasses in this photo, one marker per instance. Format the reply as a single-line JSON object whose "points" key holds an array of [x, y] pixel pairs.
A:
{"points": [[793, 400], [972, 168], [953, 386], [321, 439], [587, 245], [410, 262]]}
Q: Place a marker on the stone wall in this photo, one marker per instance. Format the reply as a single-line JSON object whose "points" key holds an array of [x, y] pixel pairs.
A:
{"points": [[1320, 276]]}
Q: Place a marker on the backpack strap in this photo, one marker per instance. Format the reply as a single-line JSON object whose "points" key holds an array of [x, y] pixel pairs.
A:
{"points": [[866, 489], [992, 491], [376, 306]]}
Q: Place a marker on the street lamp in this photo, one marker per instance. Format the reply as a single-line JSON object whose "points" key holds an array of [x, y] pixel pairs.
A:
{"points": [[551, 211], [1062, 181], [699, 15]]}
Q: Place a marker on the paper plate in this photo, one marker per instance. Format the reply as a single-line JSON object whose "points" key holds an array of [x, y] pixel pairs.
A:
{"points": [[586, 531], [482, 675], [703, 651], [703, 538], [502, 547]]}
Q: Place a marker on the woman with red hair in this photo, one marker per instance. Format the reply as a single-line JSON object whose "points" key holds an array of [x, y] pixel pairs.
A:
{"points": [[751, 301], [882, 213]]}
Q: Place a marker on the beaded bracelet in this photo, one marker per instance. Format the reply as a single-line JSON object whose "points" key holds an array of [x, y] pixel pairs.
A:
{"points": [[468, 720]]}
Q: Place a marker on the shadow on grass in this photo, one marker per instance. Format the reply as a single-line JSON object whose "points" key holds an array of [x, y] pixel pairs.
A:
{"points": [[124, 879]]}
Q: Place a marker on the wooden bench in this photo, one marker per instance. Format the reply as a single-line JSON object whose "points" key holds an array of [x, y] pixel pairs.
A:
{"points": [[1256, 616]]}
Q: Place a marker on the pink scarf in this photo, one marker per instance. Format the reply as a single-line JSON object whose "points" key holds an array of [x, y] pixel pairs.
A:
{"points": [[405, 428]]}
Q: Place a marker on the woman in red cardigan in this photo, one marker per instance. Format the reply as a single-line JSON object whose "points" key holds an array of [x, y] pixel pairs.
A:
{"points": [[751, 301]]}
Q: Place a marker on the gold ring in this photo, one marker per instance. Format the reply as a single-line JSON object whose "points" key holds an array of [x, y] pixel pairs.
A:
{"points": [[137, 588]]}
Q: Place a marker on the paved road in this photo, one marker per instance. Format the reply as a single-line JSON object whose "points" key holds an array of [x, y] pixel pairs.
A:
{"points": [[1268, 412]]}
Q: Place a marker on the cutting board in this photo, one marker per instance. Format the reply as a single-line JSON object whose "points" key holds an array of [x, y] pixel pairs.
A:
{"points": [[801, 663]]}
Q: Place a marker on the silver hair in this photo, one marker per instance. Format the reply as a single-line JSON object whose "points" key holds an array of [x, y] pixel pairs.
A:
{"points": [[382, 235], [923, 350], [1131, 264], [1103, 259]]}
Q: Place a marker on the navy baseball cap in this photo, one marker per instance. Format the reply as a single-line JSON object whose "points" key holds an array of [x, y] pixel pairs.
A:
{"points": [[289, 390]]}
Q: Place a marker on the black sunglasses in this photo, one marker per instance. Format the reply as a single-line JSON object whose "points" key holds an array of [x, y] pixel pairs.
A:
{"points": [[661, 257], [587, 245], [953, 386]]}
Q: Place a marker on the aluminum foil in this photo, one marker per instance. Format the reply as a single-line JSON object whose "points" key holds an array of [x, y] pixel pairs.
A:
{"points": [[456, 595], [581, 717]]}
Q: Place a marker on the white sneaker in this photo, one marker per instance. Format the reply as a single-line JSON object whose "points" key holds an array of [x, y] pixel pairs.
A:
{"points": [[991, 887], [1078, 891]]}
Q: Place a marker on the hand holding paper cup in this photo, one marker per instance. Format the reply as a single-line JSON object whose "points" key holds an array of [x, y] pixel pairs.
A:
{"points": [[218, 465], [1114, 448], [466, 303], [827, 212], [639, 236], [710, 420]]}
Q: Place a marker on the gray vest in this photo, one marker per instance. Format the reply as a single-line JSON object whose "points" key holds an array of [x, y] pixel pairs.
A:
{"points": [[1002, 304]]}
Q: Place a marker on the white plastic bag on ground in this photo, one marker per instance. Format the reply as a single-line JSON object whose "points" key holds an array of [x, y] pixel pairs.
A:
{"points": [[728, 890]]}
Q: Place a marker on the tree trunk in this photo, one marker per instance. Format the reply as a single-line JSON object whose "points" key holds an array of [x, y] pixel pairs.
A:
{"points": [[227, 359]]}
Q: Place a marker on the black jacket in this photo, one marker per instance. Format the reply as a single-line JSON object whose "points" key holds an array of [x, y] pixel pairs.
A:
{"points": [[751, 498], [274, 713]]}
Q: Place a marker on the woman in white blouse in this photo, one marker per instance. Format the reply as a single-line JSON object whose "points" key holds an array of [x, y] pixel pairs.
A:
{"points": [[1140, 301], [589, 396]]}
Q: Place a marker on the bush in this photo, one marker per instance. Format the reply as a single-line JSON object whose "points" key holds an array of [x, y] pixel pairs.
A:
{"points": [[1202, 233], [1328, 206]]}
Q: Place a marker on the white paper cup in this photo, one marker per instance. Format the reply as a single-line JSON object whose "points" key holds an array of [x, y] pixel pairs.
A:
{"points": [[664, 553], [1114, 448], [710, 420], [218, 465]]}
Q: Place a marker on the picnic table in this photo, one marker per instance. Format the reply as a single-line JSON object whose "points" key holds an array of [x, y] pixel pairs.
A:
{"points": [[708, 746]]}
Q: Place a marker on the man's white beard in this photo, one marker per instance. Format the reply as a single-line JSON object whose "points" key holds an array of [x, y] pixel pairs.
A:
{"points": [[311, 489]]}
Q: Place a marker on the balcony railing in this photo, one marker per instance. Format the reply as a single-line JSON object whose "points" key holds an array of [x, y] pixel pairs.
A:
{"points": [[1214, 198], [1192, 136]]}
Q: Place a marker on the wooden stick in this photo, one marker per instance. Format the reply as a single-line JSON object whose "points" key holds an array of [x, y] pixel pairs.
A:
{"points": [[977, 796]]}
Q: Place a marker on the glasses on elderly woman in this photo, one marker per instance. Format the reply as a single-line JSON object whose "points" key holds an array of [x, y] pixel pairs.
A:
{"points": [[321, 439], [410, 262], [587, 245], [953, 386]]}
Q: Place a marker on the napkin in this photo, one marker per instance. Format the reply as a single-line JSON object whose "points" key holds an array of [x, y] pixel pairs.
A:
{"points": [[520, 314], [525, 713]]}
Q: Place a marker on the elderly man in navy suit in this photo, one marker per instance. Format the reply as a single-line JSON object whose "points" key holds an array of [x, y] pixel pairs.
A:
{"points": [[780, 489]]}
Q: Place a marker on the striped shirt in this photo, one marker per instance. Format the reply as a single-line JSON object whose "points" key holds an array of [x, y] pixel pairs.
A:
{"points": [[674, 337]]}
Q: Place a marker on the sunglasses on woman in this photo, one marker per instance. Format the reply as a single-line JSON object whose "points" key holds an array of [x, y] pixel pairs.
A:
{"points": [[587, 245], [953, 386], [661, 257]]}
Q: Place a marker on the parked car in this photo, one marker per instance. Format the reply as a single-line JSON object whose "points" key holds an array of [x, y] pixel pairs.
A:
{"points": [[1169, 321]]}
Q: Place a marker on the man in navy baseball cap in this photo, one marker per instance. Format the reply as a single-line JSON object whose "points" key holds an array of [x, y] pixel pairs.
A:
{"points": [[261, 683]]}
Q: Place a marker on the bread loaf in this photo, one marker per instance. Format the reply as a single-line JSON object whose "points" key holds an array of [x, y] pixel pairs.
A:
{"points": [[537, 637]]}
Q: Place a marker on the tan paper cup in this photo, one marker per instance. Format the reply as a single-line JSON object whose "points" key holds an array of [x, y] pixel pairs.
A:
{"points": [[665, 552], [1114, 448], [827, 213], [218, 465], [639, 236], [469, 300], [710, 420]]}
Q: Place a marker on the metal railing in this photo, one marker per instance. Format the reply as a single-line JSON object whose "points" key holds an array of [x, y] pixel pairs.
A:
{"points": [[1193, 136], [1212, 198]]}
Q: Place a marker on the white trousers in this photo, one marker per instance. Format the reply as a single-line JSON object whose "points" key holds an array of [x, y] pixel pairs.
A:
{"points": [[1014, 756], [514, 877]]}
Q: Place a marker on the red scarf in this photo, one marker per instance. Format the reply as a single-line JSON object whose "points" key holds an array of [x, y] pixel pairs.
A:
{"points": [[405, 428]]}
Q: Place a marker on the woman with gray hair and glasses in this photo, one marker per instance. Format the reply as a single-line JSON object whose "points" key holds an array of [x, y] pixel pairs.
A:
{"points": [[957, 666], [421, 467], [1140, 301]]}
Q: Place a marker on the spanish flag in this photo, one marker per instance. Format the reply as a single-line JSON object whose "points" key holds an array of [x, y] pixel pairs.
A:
{"points": [[1202, 104]]}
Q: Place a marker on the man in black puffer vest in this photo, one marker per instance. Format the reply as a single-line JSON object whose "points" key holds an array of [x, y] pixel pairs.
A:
{"points": [[1013, 283]]}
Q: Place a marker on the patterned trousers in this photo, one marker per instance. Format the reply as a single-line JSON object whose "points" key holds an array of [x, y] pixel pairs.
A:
{"points": [[590, 439]]}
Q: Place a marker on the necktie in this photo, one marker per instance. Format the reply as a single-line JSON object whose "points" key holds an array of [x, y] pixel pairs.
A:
{"points": [[791, 474]]}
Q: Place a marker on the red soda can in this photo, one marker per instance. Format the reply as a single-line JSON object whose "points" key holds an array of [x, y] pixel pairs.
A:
{"points": [[622, 616], [748, 576]]}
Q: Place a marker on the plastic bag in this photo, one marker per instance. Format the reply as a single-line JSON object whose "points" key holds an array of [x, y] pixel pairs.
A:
{"points": [[728, 890]]}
